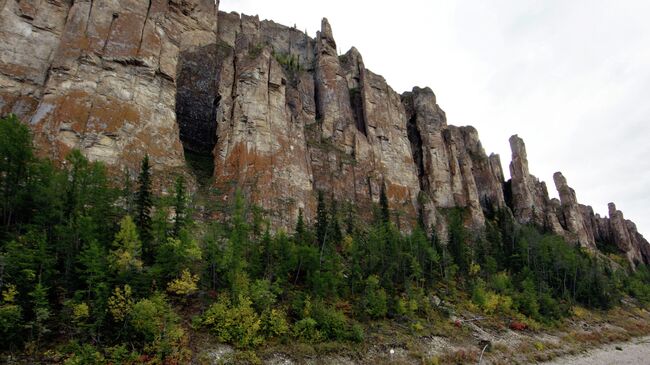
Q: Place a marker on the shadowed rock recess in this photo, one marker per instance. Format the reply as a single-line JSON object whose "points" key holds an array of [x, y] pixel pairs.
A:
{"points": [[282, 115]]}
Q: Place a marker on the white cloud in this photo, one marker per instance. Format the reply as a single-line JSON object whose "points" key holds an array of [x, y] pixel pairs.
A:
{"points": [[570, 77]]}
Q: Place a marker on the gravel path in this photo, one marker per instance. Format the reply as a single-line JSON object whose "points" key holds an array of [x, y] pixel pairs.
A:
{"points": [[634, 352]]}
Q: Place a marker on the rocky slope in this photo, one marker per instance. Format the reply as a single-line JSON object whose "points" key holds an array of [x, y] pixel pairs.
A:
{"points": [[281, 114]]}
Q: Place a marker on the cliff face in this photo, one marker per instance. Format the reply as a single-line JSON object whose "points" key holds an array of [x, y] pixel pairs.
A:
{"points": [[281, 114], [101, 75]]}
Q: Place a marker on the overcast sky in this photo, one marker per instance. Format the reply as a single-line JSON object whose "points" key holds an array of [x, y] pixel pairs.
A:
{"points": [[572, 78]]}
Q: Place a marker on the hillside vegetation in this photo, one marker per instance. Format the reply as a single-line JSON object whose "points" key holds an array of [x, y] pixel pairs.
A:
{"points": [[95, 271]]}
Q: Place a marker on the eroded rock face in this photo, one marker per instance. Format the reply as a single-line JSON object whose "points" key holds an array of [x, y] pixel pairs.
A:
{"points": [[566, 217], [286, 129], [103, 79], [281, 114], [624, 235], [529, 201], [571, 214]]}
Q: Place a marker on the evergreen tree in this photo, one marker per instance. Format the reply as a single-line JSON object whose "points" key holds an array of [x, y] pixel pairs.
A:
{"points": [[458, 241], [180, 206], [321, 219], [127, 193], [301, 235], [94, 269], [38, 326], [334, 233], [126, 254], [15, 155], [300, 224], [144, 203], [383, 204]]}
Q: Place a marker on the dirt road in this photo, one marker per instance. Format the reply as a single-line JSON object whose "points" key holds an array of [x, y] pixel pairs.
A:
{"points": [[634, 352]]}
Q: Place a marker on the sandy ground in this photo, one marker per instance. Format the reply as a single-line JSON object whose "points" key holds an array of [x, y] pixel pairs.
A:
{"points": [[634, 352]]}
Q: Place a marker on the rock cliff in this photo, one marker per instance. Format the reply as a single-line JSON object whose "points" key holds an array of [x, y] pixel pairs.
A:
{"points": [[282, 116]]}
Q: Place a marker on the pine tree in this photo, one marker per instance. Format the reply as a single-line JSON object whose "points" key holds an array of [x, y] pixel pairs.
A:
{"points": [[15, 155], [126, 253], [127, 193], [458, 241], [300, 224], [144, 204], [41, 308], [383, 203], [180, 206], [334, 234], [321, 219]]}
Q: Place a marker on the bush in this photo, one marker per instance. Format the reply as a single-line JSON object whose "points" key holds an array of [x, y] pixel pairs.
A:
{"points": [[262, 294], [549, 307], [11, 320], [274, 323], [527, 299], [121, 355], [479, 296], [406, 306], [356, 333], [185, 285], [155, 323], [331, 322], [85, 354], [120, 303], [306, 330], [238, 325], [374, 302], [501, 283]]}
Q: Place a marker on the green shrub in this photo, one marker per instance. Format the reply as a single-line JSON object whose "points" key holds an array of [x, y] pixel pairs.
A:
{"points": [[332, 323], [501, 283], [549, 307], [155, 323], [262, 294], [526, 300], [85, 354], [274, 323], [306, 330], [356, 333], [479, 296], [238, 325], [374, 303], [120, 354], [11, 320]]}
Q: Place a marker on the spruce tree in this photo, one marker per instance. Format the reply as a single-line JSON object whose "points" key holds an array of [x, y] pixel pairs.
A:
{"points": [[383, 203], [300, 228], [334, 234], [180, 206], [127, 193], [15, 155], [321, 219], [126, 252], [457, 241], [143, 210]]}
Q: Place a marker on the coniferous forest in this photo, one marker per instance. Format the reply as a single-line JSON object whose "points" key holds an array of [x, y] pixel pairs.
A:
{"points": [[105, 270]]}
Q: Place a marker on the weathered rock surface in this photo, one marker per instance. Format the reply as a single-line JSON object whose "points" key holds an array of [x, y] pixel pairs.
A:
{"points": [[529, 196], [100, 76], [570, 214], [281, 114]]}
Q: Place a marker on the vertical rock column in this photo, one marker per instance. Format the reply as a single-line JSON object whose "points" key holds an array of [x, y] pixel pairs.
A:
{"points": [[333, 109], [261, 147], [439, 172], [530, 201], [622, 236], [572, 214]]}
